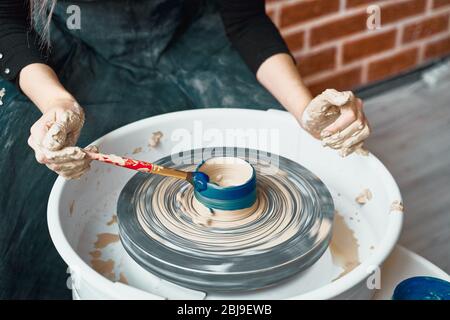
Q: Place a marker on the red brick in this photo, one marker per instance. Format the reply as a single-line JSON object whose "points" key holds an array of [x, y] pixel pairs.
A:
{"points": [[393, 65], [440, 3], [399, 10], [295, 41], [317, 62], [338, 28], [341, 81], [355, 3], [438, 48], [307, 10], [425, 28], [357, 49]]}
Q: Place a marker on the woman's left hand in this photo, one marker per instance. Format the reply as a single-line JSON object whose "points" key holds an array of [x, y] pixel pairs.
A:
{"points": [[337, 118]]}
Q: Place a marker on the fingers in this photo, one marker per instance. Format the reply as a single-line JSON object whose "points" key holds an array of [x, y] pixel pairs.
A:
{"points": [[350, 130], [65, 130], [355, 142], [70, 162], [75, 118], [92, 149], [337, 140], [346, 118], [38, 130], [53, 138], [349, 114], [56, 136], [324, 110], [40, 157], [350, 142], [68, 166], [351, 136], [347, 151], [64, 155], [71, 170], [328, 98], [336, 98], [337, 118]]}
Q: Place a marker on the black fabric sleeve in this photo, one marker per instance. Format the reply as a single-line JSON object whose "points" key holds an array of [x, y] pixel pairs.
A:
{"points": [[19, 45], [251, 31]]}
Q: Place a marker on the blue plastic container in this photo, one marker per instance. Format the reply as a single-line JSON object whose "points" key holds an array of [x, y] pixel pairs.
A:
{"points": [[422, 288], [230, 197]]}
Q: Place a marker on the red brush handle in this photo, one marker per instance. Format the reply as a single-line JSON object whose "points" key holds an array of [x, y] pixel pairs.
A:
{"points": [[121, 161]]}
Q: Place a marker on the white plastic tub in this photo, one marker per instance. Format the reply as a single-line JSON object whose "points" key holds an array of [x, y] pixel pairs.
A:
{"points": [[79, 210]]}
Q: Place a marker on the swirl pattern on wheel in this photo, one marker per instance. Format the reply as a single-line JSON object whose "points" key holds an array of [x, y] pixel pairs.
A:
{"points": [[166, 230]]}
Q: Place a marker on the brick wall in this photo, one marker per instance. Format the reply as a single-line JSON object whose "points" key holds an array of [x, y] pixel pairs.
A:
{"points": [[334, 46]]}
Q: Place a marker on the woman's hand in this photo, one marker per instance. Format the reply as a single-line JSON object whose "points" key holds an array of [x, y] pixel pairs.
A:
{"points": [[54, 135], [334, 117], [337, 118], [53, 139]]}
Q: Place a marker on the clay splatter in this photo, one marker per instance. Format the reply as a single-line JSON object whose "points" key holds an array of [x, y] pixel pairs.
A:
{"points": [[123, 278], [112, 221], [344, 246], [362, 151], [364, 196], [397, 206], [155, 139], [2, 94], [137, 150], [104, 239], [95, 254], [104, 267], [71, 207]]}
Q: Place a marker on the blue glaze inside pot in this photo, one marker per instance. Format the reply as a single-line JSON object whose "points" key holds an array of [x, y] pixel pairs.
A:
{"points": [[422, 288], [221, 193]]}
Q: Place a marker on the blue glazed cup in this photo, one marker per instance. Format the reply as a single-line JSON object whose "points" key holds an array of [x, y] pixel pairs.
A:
{"points": [[233, 197]]}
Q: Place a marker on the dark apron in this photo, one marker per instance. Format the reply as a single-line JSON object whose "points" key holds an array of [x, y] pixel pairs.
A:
{"points": [[130, 60]]}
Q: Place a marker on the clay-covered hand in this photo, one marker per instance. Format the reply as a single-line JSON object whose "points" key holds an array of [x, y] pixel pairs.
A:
{"points": [[337, 118], [53, 139]]}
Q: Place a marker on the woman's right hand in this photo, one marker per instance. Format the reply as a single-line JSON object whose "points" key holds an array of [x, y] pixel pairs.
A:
{"points": [[337, 118], [53, 139]]}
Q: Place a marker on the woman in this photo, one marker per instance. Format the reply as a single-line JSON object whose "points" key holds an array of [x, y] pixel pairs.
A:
{"points": [[127, 61]]}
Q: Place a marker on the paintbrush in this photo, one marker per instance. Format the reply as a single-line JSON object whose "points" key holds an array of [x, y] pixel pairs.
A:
{"points": [[198, 179]]}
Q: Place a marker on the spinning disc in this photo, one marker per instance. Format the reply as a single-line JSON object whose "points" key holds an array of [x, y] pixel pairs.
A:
{"points": [[169, 233]]}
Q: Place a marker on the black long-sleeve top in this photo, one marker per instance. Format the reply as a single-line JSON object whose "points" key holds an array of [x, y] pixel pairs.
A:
{"points": [[246, 24]]}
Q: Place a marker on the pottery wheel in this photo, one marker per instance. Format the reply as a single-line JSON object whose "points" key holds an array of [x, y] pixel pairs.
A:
{"points": [[169, 233]]}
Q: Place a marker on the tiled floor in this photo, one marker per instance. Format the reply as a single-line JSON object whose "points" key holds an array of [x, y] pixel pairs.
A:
{"points": [[411, 135]]}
